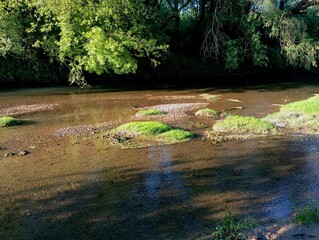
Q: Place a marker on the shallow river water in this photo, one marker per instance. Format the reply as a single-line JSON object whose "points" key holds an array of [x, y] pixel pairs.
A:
{"points": [[72, 187]]}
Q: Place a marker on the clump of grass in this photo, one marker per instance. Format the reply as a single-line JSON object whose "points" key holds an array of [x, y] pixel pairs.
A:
{"points": [[176, 135], [149, 131], [206, 112], [307, 215], [142, 128], [243, 124], [301, 116], [9, 121], [308, 106], [231, 228], [149, 112]]}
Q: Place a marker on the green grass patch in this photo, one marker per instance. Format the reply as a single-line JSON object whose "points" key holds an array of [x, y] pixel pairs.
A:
{"points": [[231, 228], [176, 135], [149, 133], [9, 121], [206, 112], [301, 116], [242, 124], [308, 106], [142, 128], [307, 215], [150, 112]]}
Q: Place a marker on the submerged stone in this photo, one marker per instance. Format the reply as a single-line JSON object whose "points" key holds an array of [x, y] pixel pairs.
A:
{"points": [[23, 153], [8, 154]]}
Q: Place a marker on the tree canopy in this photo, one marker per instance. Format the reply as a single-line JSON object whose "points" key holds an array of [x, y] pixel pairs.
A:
{"points": [[113, 36]]}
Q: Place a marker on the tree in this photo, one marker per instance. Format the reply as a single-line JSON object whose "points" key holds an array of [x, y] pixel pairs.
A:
{"points": [[93, 36], [258, 24], [11, 33]]}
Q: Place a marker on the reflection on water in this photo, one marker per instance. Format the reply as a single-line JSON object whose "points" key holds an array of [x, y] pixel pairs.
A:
{"points": [[163, 192], [302, 184], [161, 177]]}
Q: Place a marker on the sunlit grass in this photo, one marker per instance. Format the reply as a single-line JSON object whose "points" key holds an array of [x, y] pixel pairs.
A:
{"points": [[142, 128], [150, 131], [308, 106], [243, 124], [175, 135], [301, 116], [206, 112], [150, 112], [8, 121]]}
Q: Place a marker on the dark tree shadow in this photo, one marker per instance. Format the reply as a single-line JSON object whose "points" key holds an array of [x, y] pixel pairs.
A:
{"points": [[171, 198]]}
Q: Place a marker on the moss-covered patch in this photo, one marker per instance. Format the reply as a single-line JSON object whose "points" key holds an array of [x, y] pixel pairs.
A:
{"points": [[175, 135], [142, 128], [149, 112], [149, 133], [8, 121], [243, 124], [206, 112], [301, 116]]}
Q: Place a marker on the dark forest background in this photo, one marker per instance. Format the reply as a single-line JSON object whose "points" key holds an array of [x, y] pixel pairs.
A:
{"points": [[140, 41]]}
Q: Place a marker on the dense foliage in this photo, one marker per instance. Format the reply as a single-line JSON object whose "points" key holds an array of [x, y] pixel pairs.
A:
{"points": [[116, 36]]}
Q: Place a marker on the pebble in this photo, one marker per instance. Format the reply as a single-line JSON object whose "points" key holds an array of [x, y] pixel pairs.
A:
{"points": [[8, 154], [23, 153]]}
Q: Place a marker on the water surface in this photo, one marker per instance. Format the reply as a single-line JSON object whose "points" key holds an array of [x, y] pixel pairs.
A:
{"points": [[78, 188]]}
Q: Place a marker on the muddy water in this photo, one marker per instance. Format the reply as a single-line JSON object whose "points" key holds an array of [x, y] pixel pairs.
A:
{"points": [[78, 188]]}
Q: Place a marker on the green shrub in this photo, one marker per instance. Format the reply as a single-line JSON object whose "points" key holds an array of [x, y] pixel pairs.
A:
{"points": [[8, 121], [150, 112], [242, 124]]}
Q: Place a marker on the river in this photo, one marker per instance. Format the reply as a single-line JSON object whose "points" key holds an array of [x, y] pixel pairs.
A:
{"points": [[75, 187]]}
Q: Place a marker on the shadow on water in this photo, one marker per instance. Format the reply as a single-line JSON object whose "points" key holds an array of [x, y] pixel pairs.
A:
{"points": [[258, 83], [173, 195]]}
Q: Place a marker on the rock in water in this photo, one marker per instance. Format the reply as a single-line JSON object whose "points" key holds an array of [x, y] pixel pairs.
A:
{"points": [[23, 153], [8, 154]]}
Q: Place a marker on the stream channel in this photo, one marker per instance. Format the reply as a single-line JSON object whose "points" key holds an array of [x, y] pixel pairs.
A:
{"points": [[73, 186]]}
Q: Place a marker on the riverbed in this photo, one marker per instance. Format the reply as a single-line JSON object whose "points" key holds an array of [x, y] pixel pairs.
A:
{"points": [[74, 186]]}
